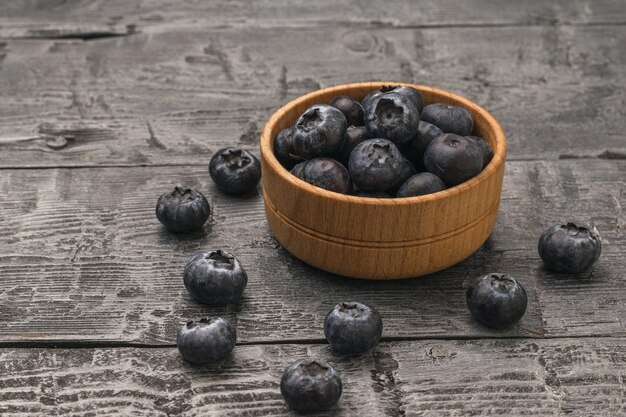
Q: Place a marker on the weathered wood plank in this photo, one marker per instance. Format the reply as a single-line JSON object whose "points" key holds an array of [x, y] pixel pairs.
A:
{"points": [[425, 378], [40, 19], [84, 258], [174, 98]]}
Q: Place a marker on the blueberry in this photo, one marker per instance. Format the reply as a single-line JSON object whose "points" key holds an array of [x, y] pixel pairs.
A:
{"points": [[407, 171], [320, 131], [354, 136], [375, 164], [569, 248], [453, 158], [449, 118], [485, 149], [296, 171], [283, 148], [497, 300], [410, 92], [421, 184], [235, 171], [392, 116], [371, 194], [183, 210], [328, 174], [206, 340], [353, 327], [215, 277], [309, 385], [350, 108]]}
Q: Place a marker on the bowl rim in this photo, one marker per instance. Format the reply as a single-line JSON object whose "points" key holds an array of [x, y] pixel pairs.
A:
{"points": [[267, 151]]}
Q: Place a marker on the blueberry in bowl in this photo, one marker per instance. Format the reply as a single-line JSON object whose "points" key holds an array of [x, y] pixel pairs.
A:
{"points": [[569, 248], [351, 109], [319, 131], [449, 118], [453, 158], [376, 164], [235, 170], [392, 116], [183, 210], [328, 174]]}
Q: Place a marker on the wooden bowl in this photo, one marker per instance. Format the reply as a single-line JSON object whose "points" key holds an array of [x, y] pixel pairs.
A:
{"points": [[381, 238]]}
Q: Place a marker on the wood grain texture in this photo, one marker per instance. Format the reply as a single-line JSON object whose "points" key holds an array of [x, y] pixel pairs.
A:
{"points": [[425, 378], [384, 238], [176, 97], [84, 259]]}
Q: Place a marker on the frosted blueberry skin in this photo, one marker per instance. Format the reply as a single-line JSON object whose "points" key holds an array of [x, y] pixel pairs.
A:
{"points": [[206, 341], [354, 136], [569, 248], [421, 184], [234, 170], [215, 278], [485, 149], [351, 109], [454, 159], [449, 118], [353, 328], [296, 171], [283, 148], [392, 116], [310, 385], [376, 164], [320, 131], [328, 174], [409, 92], [183, 210], [497, 300]]}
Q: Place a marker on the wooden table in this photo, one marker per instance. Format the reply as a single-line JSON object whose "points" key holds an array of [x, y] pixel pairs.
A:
{"points": [[106, 105]]}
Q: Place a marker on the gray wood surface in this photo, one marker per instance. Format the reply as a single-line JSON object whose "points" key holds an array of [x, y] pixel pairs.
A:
{"points": [[421, 378], [105, 105], [84, 251]]}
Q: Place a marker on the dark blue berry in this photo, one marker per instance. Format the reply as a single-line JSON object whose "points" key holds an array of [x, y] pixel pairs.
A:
{"points": [[354, 136], [296, 171], [376, 164], [392, 116], [485, 149], [320, 131], [283, 148], [352, 327], [309, 385], [206, 341], [449, 118], [328, 174], [497, 300], [215, 277], [454, 159], [183, 210], [569, 248], [421, 184], [235, 171], [411, 93], [350, 108], [407, 171]]}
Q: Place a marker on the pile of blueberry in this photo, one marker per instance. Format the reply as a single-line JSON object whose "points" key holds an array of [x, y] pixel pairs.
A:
{"points": [[343, 130], [388, 145]]}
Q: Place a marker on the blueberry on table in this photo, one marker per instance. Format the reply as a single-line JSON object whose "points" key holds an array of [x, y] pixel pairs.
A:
{"points": [[392, 116], [421, 184], [375, 164], [354, 136], [235, 170], [485, 149], [497, 300], [328, 174], [206, 341], [183, 210], [310, 385], [351, 109], [215, 277], [352, 327], [283, 148], [320, 131], [449, 118], [569, 248], [411, 93], [453, 158]]}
